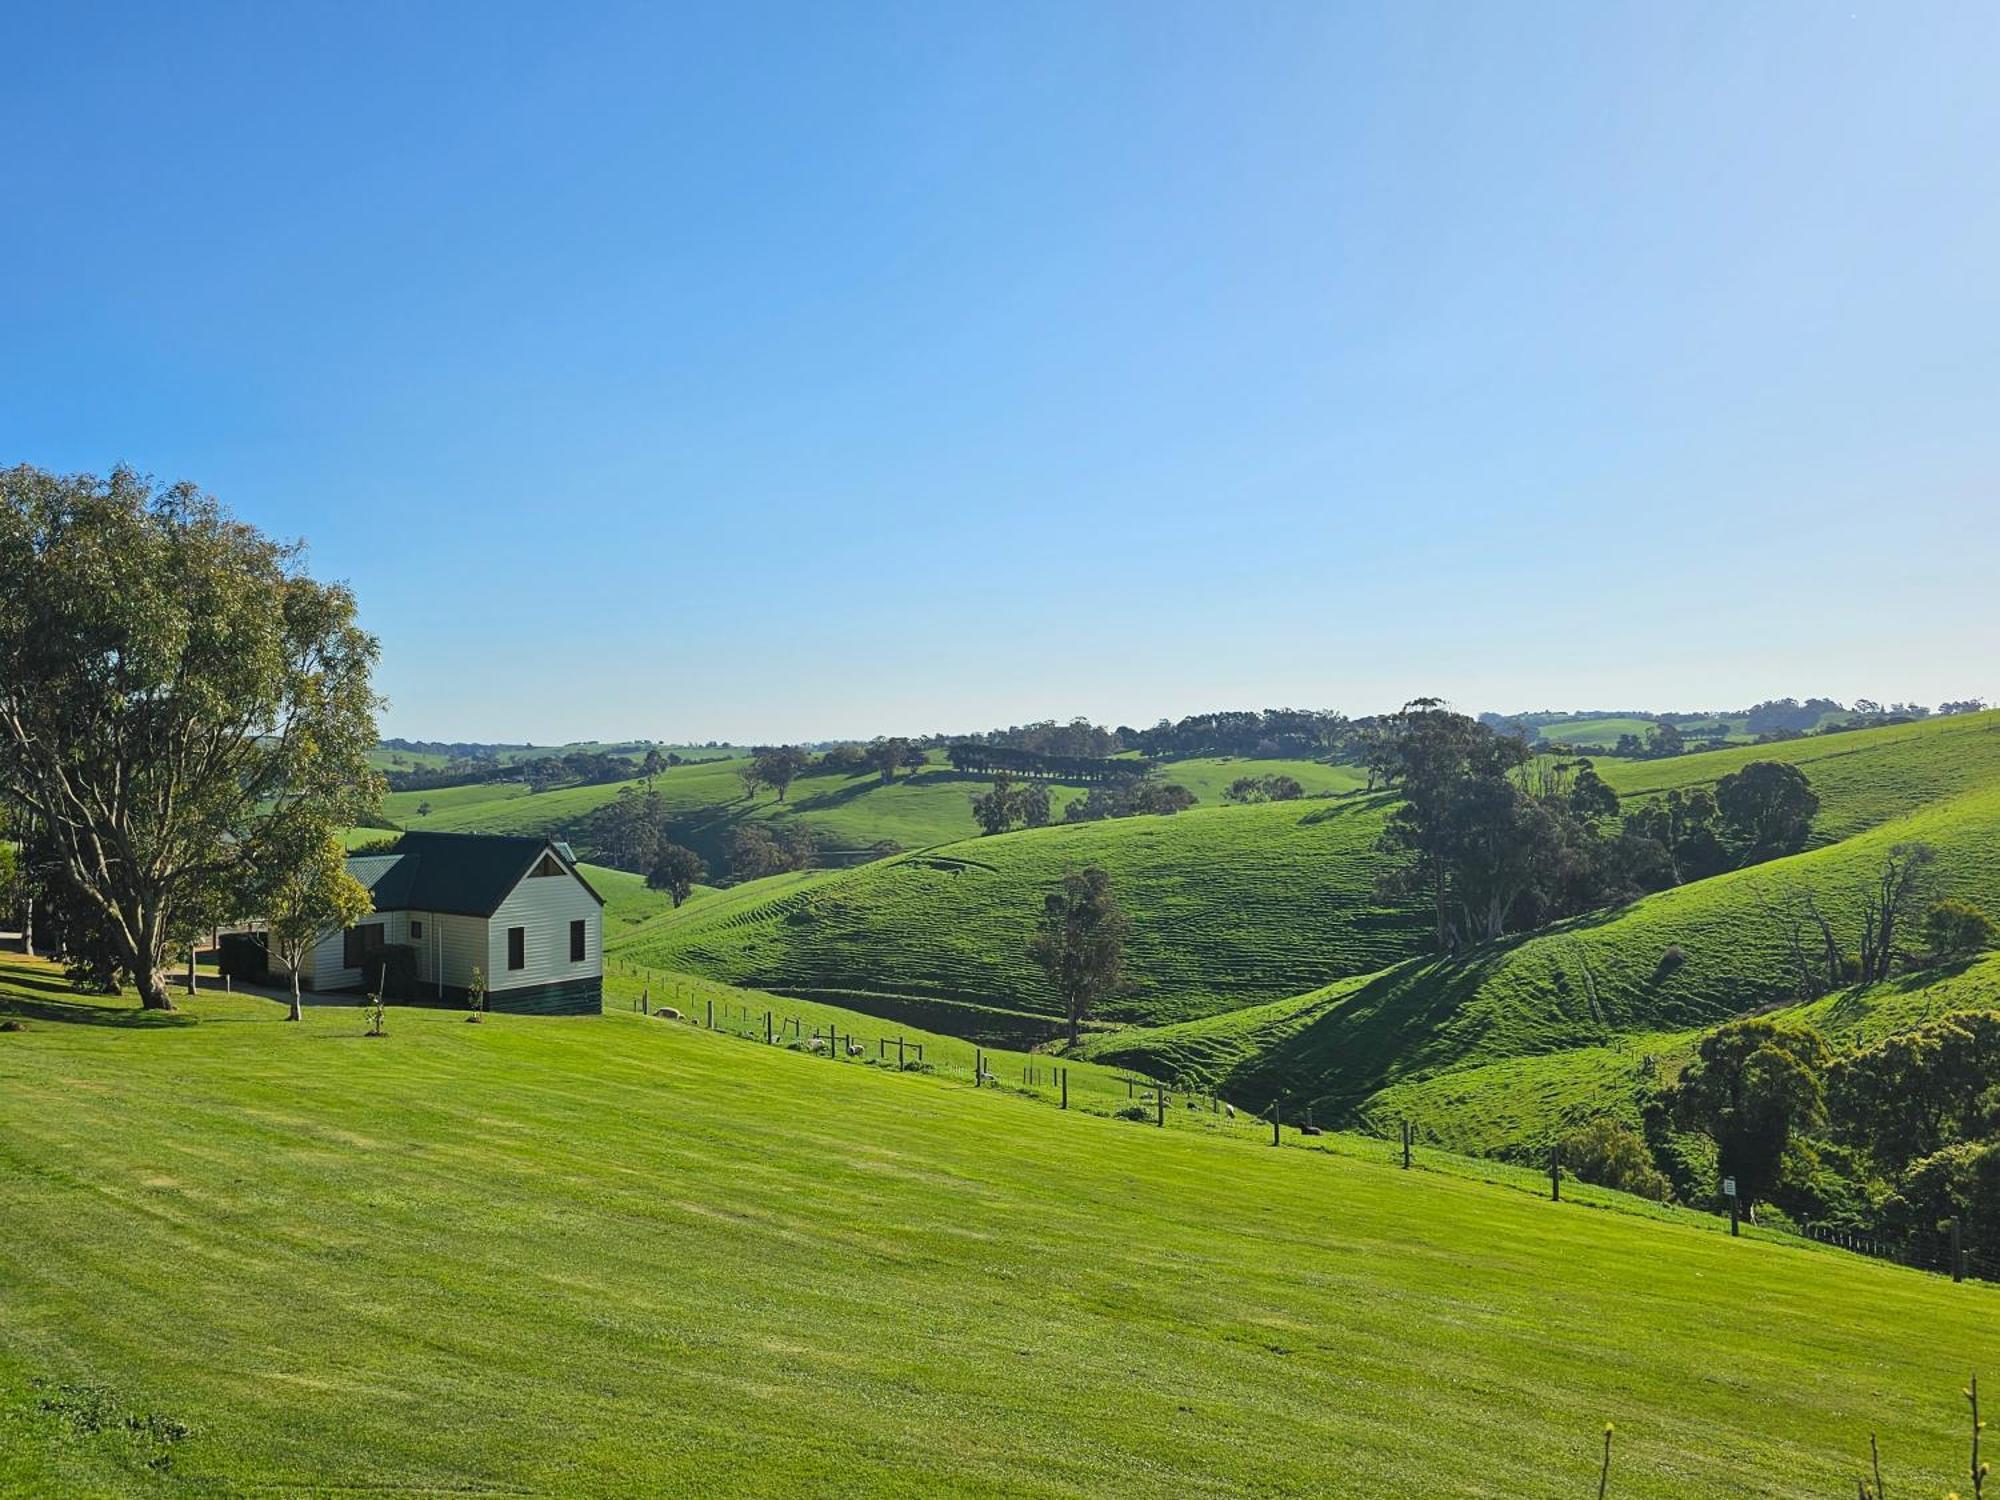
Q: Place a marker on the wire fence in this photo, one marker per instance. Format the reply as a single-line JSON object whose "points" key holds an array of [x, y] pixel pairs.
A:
{"points": [[1945, 1251], [830, 1032]]}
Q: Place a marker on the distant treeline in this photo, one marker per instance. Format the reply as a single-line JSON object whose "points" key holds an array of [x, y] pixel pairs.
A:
{"points": [[576, 768], [1030, 765], [1769, 722], [1269, 733]]}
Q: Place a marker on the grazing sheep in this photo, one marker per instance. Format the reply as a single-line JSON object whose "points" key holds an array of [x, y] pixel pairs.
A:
{"points": [[1229, 1109], [668, 1013], [855, 1049]]}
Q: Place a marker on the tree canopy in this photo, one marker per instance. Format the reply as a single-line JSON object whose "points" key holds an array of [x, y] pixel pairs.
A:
{"points": [[1080, 943], [179, 703]]}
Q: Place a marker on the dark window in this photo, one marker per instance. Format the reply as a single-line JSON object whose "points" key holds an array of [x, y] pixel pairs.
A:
{"points": [[416, 929], [358, 942], [517, 947], [579, 943], [548, 866]]}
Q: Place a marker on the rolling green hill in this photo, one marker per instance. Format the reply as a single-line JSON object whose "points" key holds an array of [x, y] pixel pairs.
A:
{"points": [[930, 807], [1863, 778], [1598, 731], [1235, 908], [1678, 960], [1520, 1104], [609, 1256], [1230, 906]]}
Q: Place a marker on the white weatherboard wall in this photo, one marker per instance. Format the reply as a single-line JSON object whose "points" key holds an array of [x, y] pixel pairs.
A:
{"points": [[324, 970], [544, 906], [462, 941]]}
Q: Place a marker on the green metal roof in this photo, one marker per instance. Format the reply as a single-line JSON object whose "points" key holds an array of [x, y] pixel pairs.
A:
{"points": [[468, 874]]}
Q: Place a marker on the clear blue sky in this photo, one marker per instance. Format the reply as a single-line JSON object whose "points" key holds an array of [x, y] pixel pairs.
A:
{"points": [[799, 371]]}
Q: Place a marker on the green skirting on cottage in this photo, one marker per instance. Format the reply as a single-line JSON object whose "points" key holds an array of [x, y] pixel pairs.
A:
{"points": [[568, 997]]}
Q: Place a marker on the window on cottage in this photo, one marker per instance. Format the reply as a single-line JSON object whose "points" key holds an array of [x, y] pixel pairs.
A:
{"points": [[550, 865], [416, 929], [579, 942], [357, 943], [517, 947]]}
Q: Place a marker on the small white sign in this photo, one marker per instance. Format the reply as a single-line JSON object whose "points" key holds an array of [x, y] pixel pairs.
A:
{"points": [[1729, 1187]]}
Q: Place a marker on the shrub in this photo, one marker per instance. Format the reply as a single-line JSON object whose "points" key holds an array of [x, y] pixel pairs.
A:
{"points": [[1133, 1112], [1957, 929], [1611, 1154]]}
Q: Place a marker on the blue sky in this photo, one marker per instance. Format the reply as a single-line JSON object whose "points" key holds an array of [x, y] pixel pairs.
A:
{"points": [[774, 372]]}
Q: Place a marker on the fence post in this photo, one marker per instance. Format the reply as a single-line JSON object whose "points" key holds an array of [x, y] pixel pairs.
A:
{"points": [[978, 1068], [1128, 1088], [1957, 1248], [767, 1028], [1555, 1174], [1408, 1131], [1160, 1098], [899, 1052], [711, 1015], [1065, 1088], [1734, 1217], [1274, 1122]]}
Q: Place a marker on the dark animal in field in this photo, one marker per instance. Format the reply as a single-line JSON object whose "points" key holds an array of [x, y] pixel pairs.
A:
{"points": [[668, 1013]]}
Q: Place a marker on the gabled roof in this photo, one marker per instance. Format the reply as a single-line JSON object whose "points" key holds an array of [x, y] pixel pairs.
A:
{"points": [[468, 874]]}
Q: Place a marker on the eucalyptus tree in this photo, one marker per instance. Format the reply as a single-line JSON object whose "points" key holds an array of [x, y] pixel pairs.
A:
{"points": [[181, 704]]}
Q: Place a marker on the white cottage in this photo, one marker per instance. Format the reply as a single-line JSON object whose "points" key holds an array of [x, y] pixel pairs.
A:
{"points": [[515, 907]]}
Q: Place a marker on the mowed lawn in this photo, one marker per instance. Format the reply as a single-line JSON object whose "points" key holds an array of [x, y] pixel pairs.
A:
{"points": [[616, 1257]]}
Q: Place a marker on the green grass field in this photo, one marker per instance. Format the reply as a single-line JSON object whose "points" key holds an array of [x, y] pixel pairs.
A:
{"points": [[1520, 1104], [1601, 731], [613, 1256], [1584, 984], [845, 812], [1863, 779], [1231, 906]]}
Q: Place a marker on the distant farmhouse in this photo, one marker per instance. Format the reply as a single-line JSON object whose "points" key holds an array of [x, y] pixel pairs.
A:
{"points": [[514, 907]]}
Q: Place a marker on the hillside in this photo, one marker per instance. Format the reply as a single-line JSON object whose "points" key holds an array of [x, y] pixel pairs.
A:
{"points": [[1600, 731], [1230, 906], [933, 806], [1675, 961], [611, 1256], [1236, 907], [1520, 1103], [1863, 778]]}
